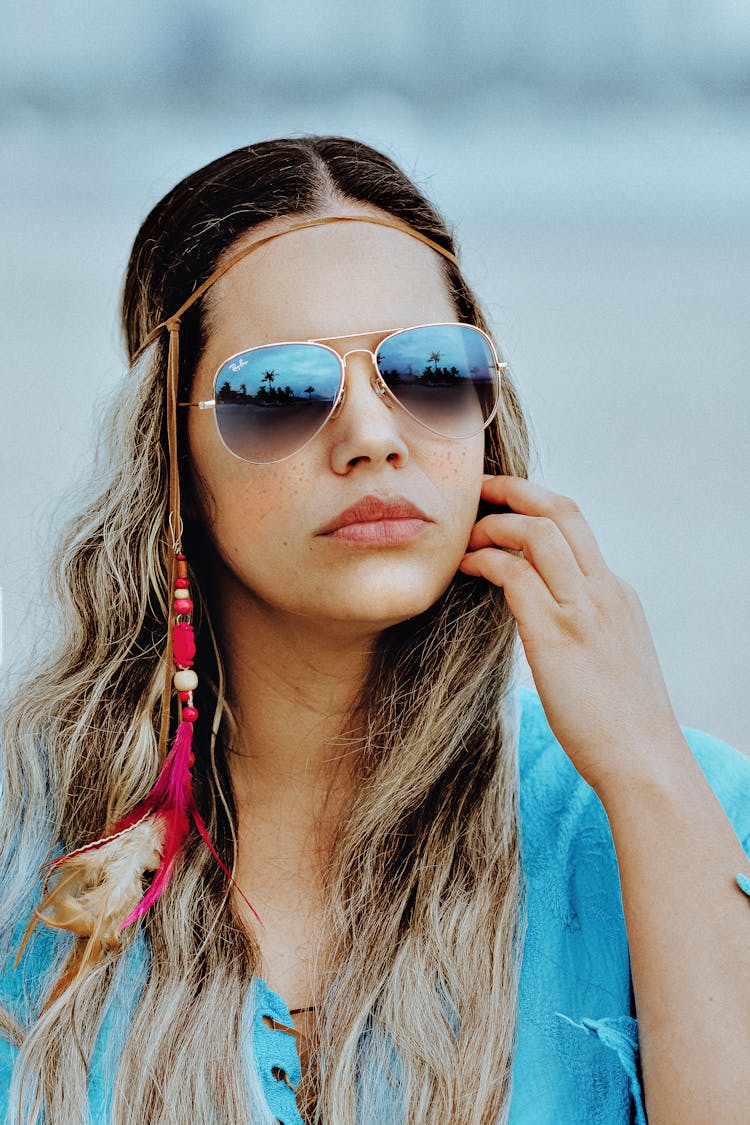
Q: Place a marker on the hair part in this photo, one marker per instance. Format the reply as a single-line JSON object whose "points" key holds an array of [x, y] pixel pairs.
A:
{"points": [[422, 930]]}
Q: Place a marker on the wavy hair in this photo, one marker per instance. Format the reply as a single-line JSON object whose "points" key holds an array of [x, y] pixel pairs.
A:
{"points": [[423, 919]]}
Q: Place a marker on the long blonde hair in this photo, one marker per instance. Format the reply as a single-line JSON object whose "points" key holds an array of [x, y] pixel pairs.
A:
{"points": [[423, 914]]}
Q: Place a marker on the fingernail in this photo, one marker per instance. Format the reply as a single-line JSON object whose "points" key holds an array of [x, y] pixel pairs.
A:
{"points": [[488, 476]]}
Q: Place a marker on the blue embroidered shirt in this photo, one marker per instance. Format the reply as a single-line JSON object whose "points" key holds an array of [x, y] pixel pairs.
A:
{"points": [[577, 1056]]}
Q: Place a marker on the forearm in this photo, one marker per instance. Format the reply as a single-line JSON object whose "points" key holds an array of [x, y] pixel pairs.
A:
{"points": [[688, 930], [595, 667]]}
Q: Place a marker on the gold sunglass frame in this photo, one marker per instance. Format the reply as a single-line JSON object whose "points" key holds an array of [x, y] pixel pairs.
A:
{"points": [[377, 381]]}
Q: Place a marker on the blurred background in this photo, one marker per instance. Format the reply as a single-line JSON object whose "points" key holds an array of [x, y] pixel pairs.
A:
{"points": [[595, 161]]}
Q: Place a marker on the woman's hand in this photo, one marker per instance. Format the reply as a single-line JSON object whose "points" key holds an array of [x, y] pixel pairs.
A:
{"points": [[583, 629]]}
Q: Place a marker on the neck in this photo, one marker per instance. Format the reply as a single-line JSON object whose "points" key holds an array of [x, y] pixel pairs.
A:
{"points": [[291, 686]]}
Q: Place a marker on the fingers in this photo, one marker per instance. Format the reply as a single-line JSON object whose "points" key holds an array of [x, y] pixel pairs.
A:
{"points": [[543, 545], [529, 499], [525, 590]]}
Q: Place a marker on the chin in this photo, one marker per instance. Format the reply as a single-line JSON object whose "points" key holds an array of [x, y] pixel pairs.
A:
{"points": [[387, 608]]}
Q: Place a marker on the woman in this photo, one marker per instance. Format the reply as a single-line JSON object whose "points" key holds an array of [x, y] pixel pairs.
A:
{"points": [[345, 531]]}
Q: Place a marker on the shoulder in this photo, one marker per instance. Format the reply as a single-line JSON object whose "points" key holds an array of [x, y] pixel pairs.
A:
{"points": [[24, 986], [575, 1006], [554, 793], [25, 969]]}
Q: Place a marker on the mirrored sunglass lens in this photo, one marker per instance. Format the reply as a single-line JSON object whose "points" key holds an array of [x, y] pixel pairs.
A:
{"points": [[270, 401], [444, 375]]}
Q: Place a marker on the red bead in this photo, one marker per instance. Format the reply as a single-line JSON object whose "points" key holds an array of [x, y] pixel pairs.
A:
{"points": [[183, 605], [183, 644], [191, 760], [181, 584], [189, 714], [185, 696]]}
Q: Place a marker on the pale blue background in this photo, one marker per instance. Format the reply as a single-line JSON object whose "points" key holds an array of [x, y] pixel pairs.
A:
{"points": [[595, 159]]}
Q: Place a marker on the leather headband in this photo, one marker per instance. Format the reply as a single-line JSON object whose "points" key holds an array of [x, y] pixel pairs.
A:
{"points": [[394, 224]]}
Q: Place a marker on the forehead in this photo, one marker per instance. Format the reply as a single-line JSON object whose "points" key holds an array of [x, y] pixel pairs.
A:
{"points": [[325, 281]]}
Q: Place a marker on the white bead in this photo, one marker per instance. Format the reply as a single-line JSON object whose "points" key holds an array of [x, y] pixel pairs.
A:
{"points": [[185, 679]]}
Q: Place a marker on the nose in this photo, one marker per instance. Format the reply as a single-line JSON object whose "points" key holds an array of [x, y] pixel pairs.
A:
{"points": [[366, 426], [376, 381]]}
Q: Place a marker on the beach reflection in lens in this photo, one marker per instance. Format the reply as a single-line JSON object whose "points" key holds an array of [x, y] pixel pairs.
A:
{"points": [[442, 374], [270, 401]]}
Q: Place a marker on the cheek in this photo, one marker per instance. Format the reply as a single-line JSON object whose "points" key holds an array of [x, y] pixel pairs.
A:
{"points": [[244, 515], [223, 499], [252, 516], [458, 473]]}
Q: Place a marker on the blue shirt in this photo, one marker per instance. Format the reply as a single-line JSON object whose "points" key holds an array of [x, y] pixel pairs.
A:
{"points": [[577, 1056]]}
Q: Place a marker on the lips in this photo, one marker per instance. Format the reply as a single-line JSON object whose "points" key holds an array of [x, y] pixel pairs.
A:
{"points": [[375, 509]]}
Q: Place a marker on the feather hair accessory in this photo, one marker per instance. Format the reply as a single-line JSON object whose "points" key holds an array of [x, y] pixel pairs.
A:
{"points": [[98, 889]]}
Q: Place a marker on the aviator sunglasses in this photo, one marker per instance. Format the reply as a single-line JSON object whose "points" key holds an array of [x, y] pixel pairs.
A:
{"points": [[271, 401]]}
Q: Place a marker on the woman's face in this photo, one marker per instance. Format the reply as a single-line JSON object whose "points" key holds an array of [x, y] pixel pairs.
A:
{"points": [[268, 524]]}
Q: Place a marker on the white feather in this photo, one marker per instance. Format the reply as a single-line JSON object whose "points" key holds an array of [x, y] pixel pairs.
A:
{"points": [[97, 888]]}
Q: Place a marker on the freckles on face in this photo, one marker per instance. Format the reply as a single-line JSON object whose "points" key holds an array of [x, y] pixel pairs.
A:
{"points": [[266, 533], [268, 523]]}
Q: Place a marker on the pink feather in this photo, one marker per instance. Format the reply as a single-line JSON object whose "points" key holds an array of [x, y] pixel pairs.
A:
{"points": [[172, 799], [170, 806]]}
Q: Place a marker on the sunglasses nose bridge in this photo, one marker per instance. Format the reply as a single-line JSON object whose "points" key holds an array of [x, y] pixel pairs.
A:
{"points": [[376, 379]]}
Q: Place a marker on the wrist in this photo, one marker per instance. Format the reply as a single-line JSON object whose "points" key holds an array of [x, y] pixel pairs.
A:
{"points": [[656, 769]]}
